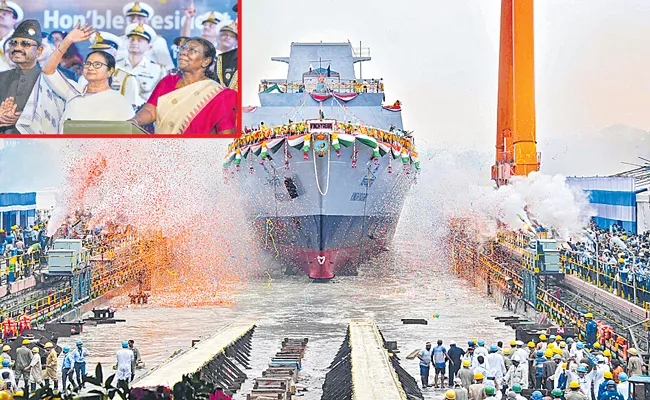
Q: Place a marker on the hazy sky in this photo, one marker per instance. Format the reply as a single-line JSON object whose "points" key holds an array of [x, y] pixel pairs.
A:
{"points": [[440, 58]]}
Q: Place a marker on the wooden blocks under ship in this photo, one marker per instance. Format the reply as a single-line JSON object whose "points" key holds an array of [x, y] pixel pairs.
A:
{"points": [[278, 381]]}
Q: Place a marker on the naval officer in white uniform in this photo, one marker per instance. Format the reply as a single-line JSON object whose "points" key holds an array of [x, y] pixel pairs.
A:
{"points": [[10, 15], [147, 72], [212, 22], [140, 13]]}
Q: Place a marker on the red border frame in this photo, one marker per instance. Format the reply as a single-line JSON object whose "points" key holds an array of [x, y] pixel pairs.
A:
{"points": [[118, 136]]}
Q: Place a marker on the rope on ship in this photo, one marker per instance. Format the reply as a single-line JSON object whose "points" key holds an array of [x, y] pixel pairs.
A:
{"points": [[329, 159]]}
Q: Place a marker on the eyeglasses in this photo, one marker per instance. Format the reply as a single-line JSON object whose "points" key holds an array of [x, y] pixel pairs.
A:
{"points": [[23, 43], [191, 50], [96, 64]]}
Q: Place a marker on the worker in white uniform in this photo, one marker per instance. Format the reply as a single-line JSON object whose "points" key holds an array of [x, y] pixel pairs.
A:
{"points": [[146, 72], [124, 359], [10, 15], [140, 13], [122, 81], [7, 375]]}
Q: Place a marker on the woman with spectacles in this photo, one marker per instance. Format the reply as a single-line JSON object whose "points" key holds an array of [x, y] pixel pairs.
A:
{"points": [[95, 101], [191, 102]]}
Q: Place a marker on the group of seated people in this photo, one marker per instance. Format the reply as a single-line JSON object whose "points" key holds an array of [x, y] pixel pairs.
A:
{"points": [[119, 80]]}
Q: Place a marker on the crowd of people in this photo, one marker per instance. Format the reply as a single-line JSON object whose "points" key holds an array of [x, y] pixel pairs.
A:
{"points": [[550, 367], [31, 369], [44, 80], [622, 263]]}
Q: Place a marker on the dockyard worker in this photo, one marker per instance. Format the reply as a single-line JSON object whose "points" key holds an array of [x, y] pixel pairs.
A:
{"points": [[35, 369], [80, 354], [226, 67], [466, 375], [10, 14], [125, 360], [574, 392], [23, 359], [634, 363], [425, 357], [136, 357], [147, 73], [476, 389], [140, 13], [5, 353], [16, 85], [7, 375], [461, 392], [455, 354], [51, 366], [67, 368]]}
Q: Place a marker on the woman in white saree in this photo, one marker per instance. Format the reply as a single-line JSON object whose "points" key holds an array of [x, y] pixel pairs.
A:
{"points": [[95, 101]]}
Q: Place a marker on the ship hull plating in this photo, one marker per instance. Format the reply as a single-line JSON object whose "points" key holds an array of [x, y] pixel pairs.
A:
{"points": [[334, 222]]}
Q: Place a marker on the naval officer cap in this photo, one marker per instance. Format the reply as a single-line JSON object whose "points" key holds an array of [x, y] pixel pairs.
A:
{"points": [[215, 17], [180, 41], [140, 30], [138, 8], [105, 41], [28, 29], [14, 8], [231, 27]]}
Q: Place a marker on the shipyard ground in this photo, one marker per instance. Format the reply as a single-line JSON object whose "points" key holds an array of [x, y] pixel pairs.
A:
{"points": [[292, 307]]}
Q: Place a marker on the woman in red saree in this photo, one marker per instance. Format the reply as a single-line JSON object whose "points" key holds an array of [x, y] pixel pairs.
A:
{"points": [[191, 103]]}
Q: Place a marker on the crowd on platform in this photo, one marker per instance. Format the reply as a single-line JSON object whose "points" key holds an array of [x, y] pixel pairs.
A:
{"points": [[615, 259], [126, 77], [550, 368]]}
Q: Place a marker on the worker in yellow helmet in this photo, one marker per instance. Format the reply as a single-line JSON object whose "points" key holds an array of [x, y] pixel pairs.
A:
{"points": [[450, 395], [476, 389], [466, 375], [541, 345]]}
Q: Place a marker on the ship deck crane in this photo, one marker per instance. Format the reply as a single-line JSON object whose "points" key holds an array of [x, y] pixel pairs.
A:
{"points": [[516, 147]]}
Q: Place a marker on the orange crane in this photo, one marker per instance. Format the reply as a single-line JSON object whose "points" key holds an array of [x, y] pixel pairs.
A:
{"points": [[516, 148]]}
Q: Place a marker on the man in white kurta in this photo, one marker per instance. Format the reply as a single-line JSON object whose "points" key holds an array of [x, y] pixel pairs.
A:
{"points": [[10, 14], [125, 358], [140, 13], [146, 72]]}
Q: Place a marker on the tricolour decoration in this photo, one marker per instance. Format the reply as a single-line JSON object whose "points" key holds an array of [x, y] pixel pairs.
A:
{"points": [[336, 145], [343, 97], [306, 146]]}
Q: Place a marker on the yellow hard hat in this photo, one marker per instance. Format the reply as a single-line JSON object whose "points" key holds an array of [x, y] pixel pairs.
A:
{"points": [[557, 350], [562, 344], [548, 353], [450, 394], [478, 376], [19, 393], [506, 351], [633, 351], [6, 395], [620, 260], [26, 341], [607, 353], [589, 315], [608, 375], [513, 343], [35, 350], [6, 347], [2, 231], [551, 346], [466, 363], [558, 338], [531, 344], [574, 385], [542, 337], [596, 345], [48, 345], [563, 365]]}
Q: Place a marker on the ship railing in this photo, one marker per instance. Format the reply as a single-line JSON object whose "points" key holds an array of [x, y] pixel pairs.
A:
{"points": [[260, 134], [345, 86]]}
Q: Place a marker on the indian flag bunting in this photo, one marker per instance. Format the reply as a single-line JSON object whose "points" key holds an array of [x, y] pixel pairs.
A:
{"points": [[265, 150], [275, 144], [256, 149], [237, 157], [346, 140], [307, 143], [405, 157], [296, 141], [384, 148], [335, 141], [244, 151], [367, 140]]}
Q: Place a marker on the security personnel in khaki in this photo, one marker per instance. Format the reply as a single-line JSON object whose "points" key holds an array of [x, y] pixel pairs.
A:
{"points": [[147, 72], [226, 65], [140, 13], [121, 81]]}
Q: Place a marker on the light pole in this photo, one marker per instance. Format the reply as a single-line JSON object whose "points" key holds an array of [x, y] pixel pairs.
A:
{"points": [[594, 240]]}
